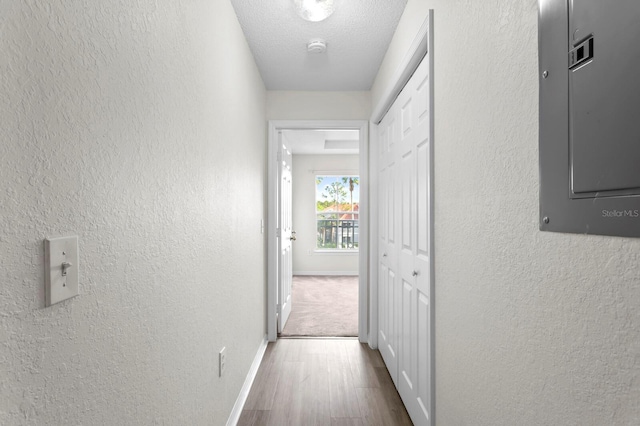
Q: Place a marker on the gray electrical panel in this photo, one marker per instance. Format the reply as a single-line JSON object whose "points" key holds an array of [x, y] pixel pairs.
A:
{"points": [[589, 56]]}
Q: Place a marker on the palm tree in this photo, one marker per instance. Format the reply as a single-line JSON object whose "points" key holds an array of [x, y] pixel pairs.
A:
{"points": [[352, 180]]}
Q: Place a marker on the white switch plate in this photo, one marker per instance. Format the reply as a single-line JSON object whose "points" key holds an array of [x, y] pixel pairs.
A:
{"points": [[59, 251]]}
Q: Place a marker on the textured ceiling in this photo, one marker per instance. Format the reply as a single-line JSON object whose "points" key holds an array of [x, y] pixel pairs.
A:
{"points": [[357, 36]]}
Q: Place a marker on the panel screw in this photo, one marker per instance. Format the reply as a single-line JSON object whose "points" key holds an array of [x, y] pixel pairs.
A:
{"points": [[545, 74], [545, 219]]}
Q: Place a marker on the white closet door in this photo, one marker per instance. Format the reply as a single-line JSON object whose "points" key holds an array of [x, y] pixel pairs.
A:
{"points": [[387, 287], [405, 243]]}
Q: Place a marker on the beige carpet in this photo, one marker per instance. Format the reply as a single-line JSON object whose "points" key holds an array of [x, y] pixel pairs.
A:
{"points": [[323, 306]]}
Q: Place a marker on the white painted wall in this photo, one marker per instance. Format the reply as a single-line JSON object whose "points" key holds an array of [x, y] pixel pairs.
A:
{"points": [[139, 127], [532, 328], [301, 105], [305, 260], [410, 22]]}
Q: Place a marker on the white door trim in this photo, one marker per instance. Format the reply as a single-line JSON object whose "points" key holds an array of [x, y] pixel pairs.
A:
{"points": [[421, 44], [272, 243]]}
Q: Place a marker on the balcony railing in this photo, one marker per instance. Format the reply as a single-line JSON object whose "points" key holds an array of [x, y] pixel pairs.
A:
{"points": [[337, 234]]}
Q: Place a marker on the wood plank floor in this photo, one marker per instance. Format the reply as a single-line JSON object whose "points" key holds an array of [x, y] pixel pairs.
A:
{"points": [[336, 382]]}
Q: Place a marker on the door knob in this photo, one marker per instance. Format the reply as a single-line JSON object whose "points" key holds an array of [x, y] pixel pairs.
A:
{"points": [[415, 273], [292, 237], [384, 254]]}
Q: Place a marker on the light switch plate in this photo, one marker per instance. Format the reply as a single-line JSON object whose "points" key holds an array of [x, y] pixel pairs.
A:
{"points": [[61, 269]]}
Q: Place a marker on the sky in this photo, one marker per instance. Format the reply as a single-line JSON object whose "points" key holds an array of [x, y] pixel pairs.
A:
{"points": [[328, 180]]}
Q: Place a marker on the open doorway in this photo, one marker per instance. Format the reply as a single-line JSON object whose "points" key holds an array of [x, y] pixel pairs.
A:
{"points": [[324, 306], [325, 251], [329, 248]]}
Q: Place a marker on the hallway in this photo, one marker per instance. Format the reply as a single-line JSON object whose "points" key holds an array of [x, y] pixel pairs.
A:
{"points": [[141, 130], [322, 382]]}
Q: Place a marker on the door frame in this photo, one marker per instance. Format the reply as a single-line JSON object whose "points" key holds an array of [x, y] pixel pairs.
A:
{"points": [[364, 307]]}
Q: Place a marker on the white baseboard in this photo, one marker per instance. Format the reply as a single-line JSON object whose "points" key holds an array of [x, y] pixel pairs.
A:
{"points": [[348, 273], [248, 382]]}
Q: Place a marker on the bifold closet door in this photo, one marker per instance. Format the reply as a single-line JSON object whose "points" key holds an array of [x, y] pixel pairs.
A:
{"points": [[404, 285]]}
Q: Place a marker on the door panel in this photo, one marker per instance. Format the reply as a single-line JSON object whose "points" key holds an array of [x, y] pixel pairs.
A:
{"points": [[393, 137], [422, 204], [407, 115], [406, 202], [423, 322], [423, 217], [392, 341], [383, 321], [285, 226], [387, 257], [408, 249], [391, 207], [406, 335], [383, 215], [383, 140]]}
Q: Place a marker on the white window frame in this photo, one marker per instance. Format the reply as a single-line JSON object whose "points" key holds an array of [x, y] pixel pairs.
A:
{"points": [[336, 250]]}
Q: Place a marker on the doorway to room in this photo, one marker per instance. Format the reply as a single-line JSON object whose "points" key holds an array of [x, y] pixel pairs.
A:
{"points": [[323, 306], [325, 218], [323, 262]]}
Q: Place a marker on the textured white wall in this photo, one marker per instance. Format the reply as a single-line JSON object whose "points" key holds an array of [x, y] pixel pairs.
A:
{"points": [[140, 127], [304, 186], [293, 105], [532, 328], [410, 22]]}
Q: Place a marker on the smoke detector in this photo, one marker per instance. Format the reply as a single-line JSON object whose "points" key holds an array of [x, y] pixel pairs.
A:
{"points": [[316, 46]]}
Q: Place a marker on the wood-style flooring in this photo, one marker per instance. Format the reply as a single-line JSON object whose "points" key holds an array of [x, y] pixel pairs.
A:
{"points": [[337, 382]]}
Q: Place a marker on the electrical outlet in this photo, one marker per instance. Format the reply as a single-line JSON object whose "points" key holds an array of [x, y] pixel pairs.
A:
{"points": [[222, 360]]}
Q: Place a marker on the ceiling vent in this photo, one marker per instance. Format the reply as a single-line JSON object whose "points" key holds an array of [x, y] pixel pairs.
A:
{"points": [[316, 46]]}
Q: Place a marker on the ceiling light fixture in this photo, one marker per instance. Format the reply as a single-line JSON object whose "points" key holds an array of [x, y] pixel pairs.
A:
{"points": [[314, 10]]}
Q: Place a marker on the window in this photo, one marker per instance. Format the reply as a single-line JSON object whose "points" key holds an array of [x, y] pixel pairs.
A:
{"points": [[337, 211]]}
